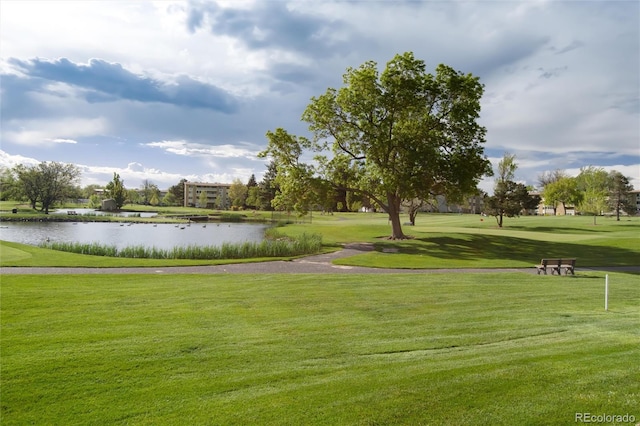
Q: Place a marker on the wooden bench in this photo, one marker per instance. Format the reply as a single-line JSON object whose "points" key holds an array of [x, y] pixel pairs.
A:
{"points": [[557, 265]]}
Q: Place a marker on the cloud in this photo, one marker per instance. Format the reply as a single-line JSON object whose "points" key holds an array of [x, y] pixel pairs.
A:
{"points": [[575, 44], [7, 160], [52, 131], [270, 25], [190, 149], [60, 140], [105, 82]]}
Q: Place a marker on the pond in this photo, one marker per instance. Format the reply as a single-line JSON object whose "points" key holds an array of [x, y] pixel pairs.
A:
{"points": [[93, 212], [164, 236]]}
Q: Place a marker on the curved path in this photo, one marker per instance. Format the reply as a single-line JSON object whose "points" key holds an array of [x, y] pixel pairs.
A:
{"points": [[317, 264]]}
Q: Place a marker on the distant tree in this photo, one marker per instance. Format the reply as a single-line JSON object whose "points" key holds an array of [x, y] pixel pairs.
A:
{"points": [[133, 196], [222, 201], [268, 188], [593, 182], [94, 202], [169, 199], [253, 191], [178, 191], [9, 189], [155, 200], [413, 206], [47, 182], [619, 194], [116, 190], [252, 181], [203, 200], [147, 190], [238, 193], [564, 191], [90, 190], [253, 197], [551, 176], [28, 183], [509, 198]]}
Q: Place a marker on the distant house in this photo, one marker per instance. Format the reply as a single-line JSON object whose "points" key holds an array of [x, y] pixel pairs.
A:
{"points": [[109, 205], [545, 209], [216, 194]]}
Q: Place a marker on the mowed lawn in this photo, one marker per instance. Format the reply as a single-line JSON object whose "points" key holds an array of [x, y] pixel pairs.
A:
{"points": [[459, 349], [473, 241]]}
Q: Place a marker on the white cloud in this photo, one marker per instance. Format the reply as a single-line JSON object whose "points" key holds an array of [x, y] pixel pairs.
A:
{"points": [[561, 78], [190, 149], [45, 132]]}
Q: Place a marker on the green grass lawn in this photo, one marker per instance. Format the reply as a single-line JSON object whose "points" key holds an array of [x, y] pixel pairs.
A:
{"points": [[439, 241], [463, 349], [471, 241]]}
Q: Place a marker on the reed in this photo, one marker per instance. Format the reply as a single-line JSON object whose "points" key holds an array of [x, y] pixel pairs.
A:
{"points": [[275, 245]]}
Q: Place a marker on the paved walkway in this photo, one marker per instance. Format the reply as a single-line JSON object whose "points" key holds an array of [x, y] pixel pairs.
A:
{"points": [[318, 264]]}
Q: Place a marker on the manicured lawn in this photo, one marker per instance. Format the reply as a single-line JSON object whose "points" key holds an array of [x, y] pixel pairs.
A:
{"points": [[439, 241], [464, 349], [472, 241]]}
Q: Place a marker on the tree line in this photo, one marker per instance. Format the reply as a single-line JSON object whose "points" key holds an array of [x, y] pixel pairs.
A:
{"points": [[47, 183], [393, 140], [593, 192]]}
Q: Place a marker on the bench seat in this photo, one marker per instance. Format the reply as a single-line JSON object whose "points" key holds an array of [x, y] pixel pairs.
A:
{"points": [[557, 265]]}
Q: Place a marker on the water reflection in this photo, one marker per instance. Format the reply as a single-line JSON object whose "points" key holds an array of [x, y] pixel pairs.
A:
{"points": [[92, 212], [121, 235]]}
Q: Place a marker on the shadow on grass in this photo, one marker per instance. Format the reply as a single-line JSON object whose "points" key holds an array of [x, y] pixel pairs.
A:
{"points": [[563, 229], [470, 247]]}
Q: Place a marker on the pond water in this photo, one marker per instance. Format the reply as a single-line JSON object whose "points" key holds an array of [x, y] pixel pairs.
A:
{"points": [[164, 236], [92, 212]]}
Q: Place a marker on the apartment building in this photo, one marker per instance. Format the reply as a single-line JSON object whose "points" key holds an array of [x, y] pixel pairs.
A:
{"points": [[217, 194]]}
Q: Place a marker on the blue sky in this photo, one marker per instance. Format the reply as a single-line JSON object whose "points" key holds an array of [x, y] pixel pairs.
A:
{"points": [[172, 89]]}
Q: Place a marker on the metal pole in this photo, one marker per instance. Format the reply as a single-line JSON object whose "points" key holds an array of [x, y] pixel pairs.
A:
{"points": [[606, 292]]}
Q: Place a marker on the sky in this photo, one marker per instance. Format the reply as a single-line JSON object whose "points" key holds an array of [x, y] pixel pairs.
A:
{"points": [[166, 90]]}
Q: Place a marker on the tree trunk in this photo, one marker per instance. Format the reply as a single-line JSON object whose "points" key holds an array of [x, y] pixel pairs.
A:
{"points": [[393, 208]]}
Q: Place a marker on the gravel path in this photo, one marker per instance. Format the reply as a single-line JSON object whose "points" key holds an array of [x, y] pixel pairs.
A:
{"points": [[318, 264]]}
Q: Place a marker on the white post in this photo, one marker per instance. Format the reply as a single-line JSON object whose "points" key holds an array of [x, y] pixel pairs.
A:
{"points": [[606, 292]]}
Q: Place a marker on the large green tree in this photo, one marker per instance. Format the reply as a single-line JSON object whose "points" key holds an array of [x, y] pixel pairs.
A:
{"points": [[390, 136], [268, 188], [178, 191], [47, 182], [563, 191], [509, 197], [116, 190], [238, 193], [9, 189], [593, 182], [619, 194]]}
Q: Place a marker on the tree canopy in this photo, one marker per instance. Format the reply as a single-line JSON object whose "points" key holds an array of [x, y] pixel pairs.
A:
{"points": [[593, 182], [619, 194], [116, 190], [47, 182], [509, 197], [564, 191], [390, 136]]}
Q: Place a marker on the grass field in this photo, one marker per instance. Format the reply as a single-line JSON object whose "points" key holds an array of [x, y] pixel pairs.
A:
{"points": [[439, 241], [465, 349], [457, 349]]}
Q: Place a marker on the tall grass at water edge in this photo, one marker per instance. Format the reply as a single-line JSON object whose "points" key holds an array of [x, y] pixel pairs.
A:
{"points": [[274, 246]]}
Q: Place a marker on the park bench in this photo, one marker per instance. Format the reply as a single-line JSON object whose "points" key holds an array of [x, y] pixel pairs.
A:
{"points": [[556, 265]]}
